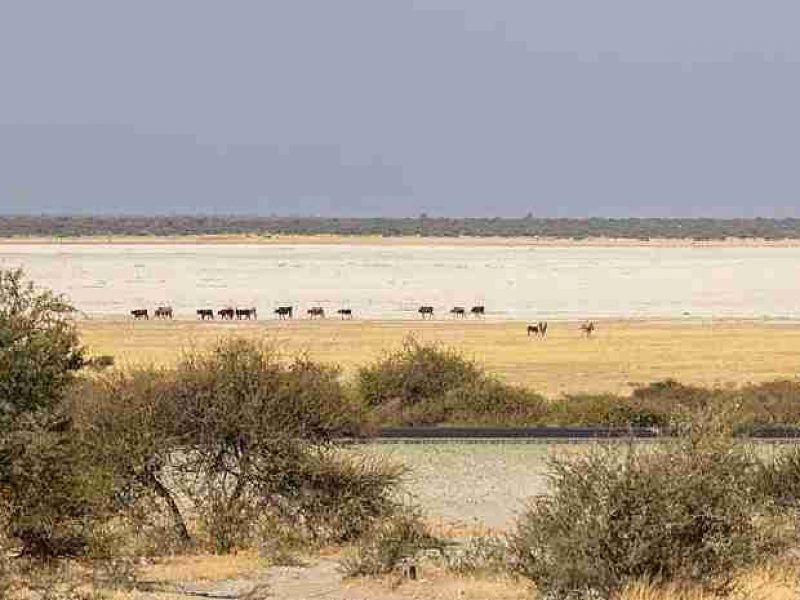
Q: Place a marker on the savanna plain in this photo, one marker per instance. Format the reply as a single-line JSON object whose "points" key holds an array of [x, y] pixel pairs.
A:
{"points": [[469, 490], [620, 355], [698, 516]]}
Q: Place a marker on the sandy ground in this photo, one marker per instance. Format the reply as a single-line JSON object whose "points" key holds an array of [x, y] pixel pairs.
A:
{"points": [[218, 577], [240, 576], [377, 240], [472, 486], [620, 355]]}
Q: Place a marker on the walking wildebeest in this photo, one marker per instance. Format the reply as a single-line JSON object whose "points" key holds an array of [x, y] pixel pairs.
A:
{"points": [[140, 313], [246, 313], [478, 311], [316, 311], [539, 329], [226, 313], [588, 328], [346, 313], [458, 311], [205, 313], [284, 312], [163, 312], [426, 310]]}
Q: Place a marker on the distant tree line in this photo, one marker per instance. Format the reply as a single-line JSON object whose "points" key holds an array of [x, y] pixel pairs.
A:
{"points": [[637, 229]]}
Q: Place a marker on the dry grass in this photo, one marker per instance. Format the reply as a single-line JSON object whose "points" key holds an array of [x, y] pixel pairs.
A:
{"points": [[204, 567], [435, 584], [623, 353], [777, 583], [771, 583]]}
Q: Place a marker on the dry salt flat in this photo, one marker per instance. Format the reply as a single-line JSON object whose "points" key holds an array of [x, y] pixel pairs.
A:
{"points": [[390, 282], [480, 484]]}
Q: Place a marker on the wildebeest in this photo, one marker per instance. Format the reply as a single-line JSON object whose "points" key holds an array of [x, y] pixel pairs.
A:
{"points": [[205, 313], [163, 312], [588, 328], [458, 311], [284, 312], [246, 313], [346, 313], [316, 311], [226, 313], [538, 329], [426, 311], [140, 313], [478, 311]]}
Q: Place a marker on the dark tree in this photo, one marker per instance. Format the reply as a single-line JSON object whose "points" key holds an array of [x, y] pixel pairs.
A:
{"points": [[39, 348]]}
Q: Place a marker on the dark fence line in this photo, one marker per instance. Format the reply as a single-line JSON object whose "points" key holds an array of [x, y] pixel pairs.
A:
{"points": [[778, 432]]}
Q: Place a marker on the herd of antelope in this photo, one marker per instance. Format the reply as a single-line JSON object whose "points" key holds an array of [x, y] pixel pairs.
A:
{"points": [[538, 329]]}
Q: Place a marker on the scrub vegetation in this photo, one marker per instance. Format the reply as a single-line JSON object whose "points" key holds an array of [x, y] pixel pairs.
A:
{"points": [[235, 450]]}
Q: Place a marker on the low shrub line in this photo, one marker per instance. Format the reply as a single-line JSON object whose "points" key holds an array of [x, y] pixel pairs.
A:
{"points": [[423, 385]]}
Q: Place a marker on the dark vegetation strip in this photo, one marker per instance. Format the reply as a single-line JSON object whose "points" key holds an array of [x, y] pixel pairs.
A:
{"points": [[564, 433], [421, 386], [698, 229], [456, 433]]}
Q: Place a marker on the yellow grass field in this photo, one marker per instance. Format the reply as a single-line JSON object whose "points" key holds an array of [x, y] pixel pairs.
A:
{"points": [[621, 354]]}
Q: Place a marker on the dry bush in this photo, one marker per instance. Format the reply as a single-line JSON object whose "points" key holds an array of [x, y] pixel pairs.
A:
{"points": [[55, 497], [428, 384], [126, 421], [686, 510], [228, 437], [250, 389], [602, 410], [485, 555], [39, 349], [335, 497], [414, 374], [770, 403], [383, 547]]}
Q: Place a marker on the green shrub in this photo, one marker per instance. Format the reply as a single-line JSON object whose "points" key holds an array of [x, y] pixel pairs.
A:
{"points": [[659, 404], [671, 398], [231, 437], [485, 401], [338, 496], [246, 387], [428, 385], [487, 555], [55, 498], [770, 403], [127, 421], [416, 373], [604, 410], [39, 348], [50, 493], [391, 540], [686, 510], [779, 479], [489, 401]]}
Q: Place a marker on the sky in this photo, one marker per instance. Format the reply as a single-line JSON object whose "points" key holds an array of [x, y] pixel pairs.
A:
{"points": [[617, 108]]}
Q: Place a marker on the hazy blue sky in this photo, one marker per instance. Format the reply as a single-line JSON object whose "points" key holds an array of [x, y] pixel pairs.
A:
{"points": [[396, 107]]}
